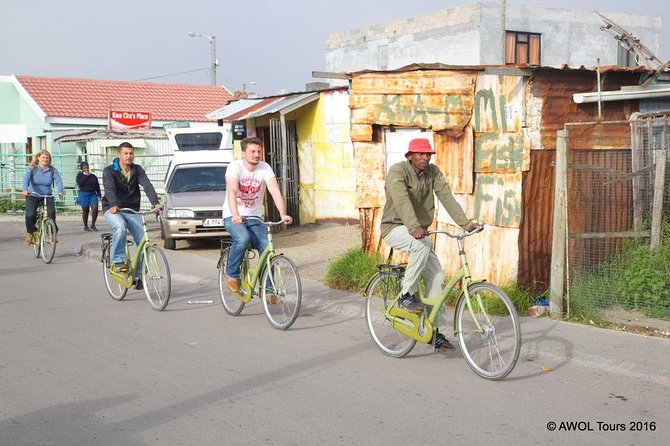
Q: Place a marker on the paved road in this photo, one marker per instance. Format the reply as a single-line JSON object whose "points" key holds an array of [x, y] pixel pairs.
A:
{"points": [[79, 368]]}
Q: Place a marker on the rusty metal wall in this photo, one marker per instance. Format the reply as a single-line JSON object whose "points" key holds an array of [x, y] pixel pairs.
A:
{"points": [[439, 100], [489, 131], [476, 121], [536, 227], [556, 87]]}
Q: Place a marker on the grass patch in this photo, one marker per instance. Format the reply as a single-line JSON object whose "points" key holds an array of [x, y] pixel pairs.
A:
{"points": [[636, 278], [521, 298], [352, 270]]}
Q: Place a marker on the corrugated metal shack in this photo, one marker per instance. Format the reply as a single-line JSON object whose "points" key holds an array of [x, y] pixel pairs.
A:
{"points": [[494, 132]]}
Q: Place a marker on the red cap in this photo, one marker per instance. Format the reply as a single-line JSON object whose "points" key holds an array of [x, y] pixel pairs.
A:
{"points": [[419, 145]]}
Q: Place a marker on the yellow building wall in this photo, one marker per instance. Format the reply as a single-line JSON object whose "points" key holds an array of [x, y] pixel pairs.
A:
{"points": [[326, 159]]}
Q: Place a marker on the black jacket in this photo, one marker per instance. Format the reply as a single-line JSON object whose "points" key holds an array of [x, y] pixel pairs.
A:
{"points": [[124, 194], [88, 183]]}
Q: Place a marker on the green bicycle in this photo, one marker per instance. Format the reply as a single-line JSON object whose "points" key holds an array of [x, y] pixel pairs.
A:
{"points": [[277, 279], [44, 239], [485, 320], [155, 269]]}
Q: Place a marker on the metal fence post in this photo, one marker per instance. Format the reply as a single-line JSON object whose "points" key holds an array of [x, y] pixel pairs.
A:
{"points": [[657, 207], [557, 280]]}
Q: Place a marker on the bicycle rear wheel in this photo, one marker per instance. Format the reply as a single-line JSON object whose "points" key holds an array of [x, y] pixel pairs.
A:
{"points": [[492, 350], [381, 292], [48, 241], [156, 278], [115, 289], [231, 304], [281, 292]]}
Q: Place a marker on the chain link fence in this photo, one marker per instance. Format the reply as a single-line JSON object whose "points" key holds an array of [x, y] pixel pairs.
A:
{"points": [[618, 220]]}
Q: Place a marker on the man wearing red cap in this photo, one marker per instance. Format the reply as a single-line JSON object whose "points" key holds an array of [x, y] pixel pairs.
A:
{"points": [[409, 211]]}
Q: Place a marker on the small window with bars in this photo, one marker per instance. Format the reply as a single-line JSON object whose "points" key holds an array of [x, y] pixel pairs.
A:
{"points": [[522, 48]]}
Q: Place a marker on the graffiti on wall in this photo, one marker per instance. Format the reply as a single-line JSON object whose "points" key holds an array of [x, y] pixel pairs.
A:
{"points": [[498, 199], [425, 111], [504, 152], [498, 104]]}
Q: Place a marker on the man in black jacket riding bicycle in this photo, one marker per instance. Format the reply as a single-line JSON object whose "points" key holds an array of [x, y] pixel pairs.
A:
{"points": [[121, 181]]}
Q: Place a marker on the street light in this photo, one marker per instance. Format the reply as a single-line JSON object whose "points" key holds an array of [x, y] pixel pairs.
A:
{"points": [[212, 42]]}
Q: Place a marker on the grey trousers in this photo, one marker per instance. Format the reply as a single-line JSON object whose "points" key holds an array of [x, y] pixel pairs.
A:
{"points": [[423, 262]]}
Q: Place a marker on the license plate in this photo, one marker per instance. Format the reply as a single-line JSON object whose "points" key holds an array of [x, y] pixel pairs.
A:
{"points": [[209, 222]]}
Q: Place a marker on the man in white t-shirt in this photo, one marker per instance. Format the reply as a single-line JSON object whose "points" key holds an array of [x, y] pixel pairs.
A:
{"points": [[246, 180]]}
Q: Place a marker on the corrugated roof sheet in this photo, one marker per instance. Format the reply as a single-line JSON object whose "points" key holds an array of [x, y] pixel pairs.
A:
{"points": [[441, 66], [232, 108], [89, 98], [282, 104], [254, 108], [239, 108], [89, 135]]}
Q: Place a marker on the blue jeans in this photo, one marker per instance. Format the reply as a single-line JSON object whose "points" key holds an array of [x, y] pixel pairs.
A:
{"points": [[250, 230], [121, 223]]}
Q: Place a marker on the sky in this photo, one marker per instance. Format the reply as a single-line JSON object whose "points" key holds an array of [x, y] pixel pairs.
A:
{"points": [[263, 46]]}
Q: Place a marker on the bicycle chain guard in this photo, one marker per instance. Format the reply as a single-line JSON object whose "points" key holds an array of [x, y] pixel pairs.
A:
{"points": [[400, 322], [245, 293], [123, 279]]}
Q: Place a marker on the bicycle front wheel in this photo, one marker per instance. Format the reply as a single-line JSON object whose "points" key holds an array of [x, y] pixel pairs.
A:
{"points": [[282, 292], [156, 278], [114, 288], [231, 304], [36, 244], [48, 241], [380, 294], [488, 331]]}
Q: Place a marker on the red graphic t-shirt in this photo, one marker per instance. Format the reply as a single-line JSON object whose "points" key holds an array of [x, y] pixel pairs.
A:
{"points": [[251, 188]]}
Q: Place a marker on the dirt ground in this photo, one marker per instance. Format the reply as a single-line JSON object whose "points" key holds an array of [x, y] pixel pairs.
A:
{"points": [[310, 246]]}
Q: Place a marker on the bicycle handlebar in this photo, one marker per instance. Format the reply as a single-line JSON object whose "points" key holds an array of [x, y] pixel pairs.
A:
{"points": [[268, 223], [479, 228], [41, 196], [133, 211]]}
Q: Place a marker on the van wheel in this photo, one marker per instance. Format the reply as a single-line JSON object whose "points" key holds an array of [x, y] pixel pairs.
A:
{"points": [[169, 243]]}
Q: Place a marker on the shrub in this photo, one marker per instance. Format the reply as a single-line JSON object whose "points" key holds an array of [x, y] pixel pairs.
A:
{"points": [[352, 270]]}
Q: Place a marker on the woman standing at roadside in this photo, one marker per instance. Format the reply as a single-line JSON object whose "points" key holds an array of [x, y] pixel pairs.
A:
{"points": [[39, 179], [89, 195]]}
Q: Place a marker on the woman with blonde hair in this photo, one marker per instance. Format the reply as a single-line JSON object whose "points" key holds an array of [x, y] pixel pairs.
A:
{"points": [[38, 180]]}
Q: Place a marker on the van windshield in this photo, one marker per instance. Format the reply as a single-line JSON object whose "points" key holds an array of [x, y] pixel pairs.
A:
{"points": [[193, 179]]}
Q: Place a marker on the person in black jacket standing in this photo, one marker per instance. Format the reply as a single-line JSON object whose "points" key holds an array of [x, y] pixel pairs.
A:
{"points": [[122, 181], [89, 195]]}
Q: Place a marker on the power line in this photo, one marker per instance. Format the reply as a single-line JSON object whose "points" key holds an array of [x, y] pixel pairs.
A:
{"points": [[173, 74]]}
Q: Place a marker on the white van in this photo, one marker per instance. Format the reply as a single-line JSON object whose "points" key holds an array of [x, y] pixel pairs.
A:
{"points": [[195, 184]]}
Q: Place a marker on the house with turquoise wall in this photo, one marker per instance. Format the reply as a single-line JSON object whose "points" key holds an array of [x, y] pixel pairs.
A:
{"points": [[35, 113]]}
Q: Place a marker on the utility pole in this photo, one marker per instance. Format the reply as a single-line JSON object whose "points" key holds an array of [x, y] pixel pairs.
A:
{"points": [[503, 34], [212, 43]]}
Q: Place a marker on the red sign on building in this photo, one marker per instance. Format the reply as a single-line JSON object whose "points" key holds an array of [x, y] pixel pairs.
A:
{"points": [[124, 120]]}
